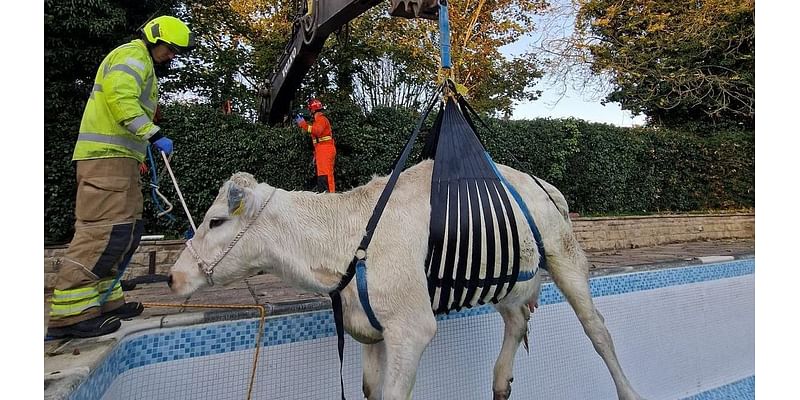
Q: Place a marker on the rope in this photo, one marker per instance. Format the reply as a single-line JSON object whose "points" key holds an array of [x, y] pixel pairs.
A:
{"points": [[155, 192], [261, 323], [178, 190]]}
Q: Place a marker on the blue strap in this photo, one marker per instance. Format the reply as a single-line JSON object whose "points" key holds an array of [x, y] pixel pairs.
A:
{"points": [[528, 217], [107, 293], [444, 34], [526, 275], [361, 283]]}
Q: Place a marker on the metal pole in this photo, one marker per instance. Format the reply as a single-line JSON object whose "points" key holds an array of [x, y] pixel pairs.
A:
{"points": [[178, 190]]}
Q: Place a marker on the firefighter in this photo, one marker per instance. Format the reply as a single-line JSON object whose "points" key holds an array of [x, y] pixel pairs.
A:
{"points": [[324, 145], [116, 128]]}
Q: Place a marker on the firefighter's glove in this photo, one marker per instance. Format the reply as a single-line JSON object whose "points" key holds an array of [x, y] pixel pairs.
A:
{"points": [[298, 119], [164, 144]]}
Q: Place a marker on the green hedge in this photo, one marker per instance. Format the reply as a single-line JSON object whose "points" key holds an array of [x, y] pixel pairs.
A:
{"points": [[601, 169]]}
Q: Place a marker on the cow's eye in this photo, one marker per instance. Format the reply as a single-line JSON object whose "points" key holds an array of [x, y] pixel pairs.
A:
{"points": [[215, 222]]}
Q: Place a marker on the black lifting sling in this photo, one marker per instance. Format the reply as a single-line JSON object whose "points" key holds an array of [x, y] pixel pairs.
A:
{"points": [[470, 210], [469, 204]]}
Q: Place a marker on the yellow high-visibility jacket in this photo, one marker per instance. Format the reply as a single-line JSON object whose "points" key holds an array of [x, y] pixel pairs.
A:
{"points": [[118, 118]]}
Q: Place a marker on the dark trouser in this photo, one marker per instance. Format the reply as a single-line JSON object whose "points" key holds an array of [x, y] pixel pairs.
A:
{"points": [[108, 226], [322, 184]]}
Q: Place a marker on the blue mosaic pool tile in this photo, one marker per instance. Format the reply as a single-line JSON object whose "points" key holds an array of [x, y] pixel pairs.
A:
{"points": [[168, 345], [299, 327], [744, 389], [648, 280]]}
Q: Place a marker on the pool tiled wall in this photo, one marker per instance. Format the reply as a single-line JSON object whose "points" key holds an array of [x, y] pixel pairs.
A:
{"points": [[183, 343]]}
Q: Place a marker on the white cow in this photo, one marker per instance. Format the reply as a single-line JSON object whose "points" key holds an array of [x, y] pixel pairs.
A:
{"points": [[309, 239]]}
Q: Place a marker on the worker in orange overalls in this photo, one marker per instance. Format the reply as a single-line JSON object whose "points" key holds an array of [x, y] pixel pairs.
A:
{"points": [[324, 145]]}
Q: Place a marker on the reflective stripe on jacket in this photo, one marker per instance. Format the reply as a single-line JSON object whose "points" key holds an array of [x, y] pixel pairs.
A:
{"points": [[118, 118], [320, 129], [66, 303]]}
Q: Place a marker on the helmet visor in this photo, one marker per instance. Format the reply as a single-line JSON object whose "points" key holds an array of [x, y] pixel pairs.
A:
{"points": [[182, 49]]}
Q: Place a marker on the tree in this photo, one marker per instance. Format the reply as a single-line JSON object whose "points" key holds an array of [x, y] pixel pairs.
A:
{"points": [[387, 83], [244, 38], [237, 44], [241, 42], [478, 30], [676, 61]]}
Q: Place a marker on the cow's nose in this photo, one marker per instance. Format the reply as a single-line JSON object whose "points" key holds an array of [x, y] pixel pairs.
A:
{"points": [[169, 281]]}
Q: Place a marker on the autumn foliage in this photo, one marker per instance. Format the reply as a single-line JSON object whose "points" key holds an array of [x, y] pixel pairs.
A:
{"points": [[677, 61]]}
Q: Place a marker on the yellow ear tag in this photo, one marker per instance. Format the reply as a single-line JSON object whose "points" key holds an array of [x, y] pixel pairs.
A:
{"points": [[239, 209]]}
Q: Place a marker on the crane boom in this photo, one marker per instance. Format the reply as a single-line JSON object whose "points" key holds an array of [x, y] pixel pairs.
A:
{"points": [[309, 34]]}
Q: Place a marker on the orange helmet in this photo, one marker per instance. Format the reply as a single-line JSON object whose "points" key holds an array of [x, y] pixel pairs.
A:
{"points": [[314, 105]]}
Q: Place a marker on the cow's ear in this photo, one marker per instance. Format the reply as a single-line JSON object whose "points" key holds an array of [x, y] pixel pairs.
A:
{"points": [[237, 199], [244, 179]]}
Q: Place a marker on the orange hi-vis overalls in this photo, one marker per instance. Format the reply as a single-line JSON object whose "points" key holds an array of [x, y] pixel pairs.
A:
{"points": [[324, 148]]}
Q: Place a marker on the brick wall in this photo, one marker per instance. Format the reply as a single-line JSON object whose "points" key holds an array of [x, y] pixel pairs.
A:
{"points": [[602, 233], [607, 233]]}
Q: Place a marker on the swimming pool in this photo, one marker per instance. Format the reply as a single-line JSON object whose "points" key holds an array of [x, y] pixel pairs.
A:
{"points": [[685, 332]]}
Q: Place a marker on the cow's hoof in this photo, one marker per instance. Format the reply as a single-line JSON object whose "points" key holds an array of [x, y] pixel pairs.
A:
{"points": [[502, 394]]}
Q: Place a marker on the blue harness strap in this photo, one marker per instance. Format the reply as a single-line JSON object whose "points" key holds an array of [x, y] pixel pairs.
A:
{"points": [[528, 217], [363, 297], [522, 276], [526, 275]]}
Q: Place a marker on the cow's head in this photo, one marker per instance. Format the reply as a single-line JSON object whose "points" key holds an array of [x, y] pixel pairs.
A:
{"points": [[226, 246]]}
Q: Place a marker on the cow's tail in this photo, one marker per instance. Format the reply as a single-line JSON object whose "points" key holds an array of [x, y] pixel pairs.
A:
{"points": [[562, 207]]}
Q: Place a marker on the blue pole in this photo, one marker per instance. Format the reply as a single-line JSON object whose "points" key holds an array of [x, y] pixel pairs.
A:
{"points": [[444, 34]]}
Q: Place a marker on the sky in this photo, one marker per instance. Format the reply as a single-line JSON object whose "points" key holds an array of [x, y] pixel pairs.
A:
{"points": [[574, 104], [571, 103]]}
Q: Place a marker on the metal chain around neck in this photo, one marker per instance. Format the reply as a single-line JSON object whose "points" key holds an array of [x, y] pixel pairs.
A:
{"points": [[208, 269]]}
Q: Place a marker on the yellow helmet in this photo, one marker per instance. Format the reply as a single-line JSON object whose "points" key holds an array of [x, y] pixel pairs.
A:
{"points": [[171, 31]]}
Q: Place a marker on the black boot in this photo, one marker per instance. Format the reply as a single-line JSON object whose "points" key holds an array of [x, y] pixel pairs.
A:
{"points": [[127, 310], [98, 326]]}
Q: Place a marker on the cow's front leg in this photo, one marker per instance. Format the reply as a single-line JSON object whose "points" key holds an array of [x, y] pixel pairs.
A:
{"points": [[404, 342], [373, 357]]}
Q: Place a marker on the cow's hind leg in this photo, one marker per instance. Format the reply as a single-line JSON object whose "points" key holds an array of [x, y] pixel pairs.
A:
{"points": [[373, 358], [404, 342], [515, 318], [571, 274]]}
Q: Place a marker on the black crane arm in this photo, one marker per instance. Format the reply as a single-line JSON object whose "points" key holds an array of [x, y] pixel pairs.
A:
{"points": [[309, 34]]}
